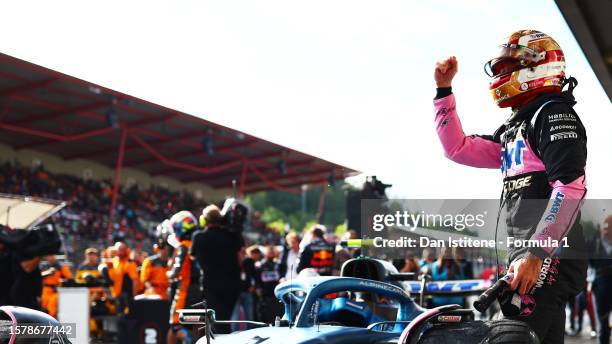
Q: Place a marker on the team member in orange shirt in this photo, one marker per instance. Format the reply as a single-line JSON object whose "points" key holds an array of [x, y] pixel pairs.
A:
{"points": [[124, 274], [53, 274], [153, 273]]}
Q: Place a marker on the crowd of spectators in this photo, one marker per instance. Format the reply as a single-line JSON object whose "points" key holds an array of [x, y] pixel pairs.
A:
{"points": [[84, 221]]}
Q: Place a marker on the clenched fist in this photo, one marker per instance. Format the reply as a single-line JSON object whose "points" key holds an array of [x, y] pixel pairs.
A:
{"points": [[445, 71]]}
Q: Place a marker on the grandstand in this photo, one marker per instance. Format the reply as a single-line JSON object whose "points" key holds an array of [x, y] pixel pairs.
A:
{"points": [[121, 163], [51, 112], [66, 121]]}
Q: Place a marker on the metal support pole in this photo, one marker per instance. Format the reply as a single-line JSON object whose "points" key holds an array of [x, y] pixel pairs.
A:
{"points": [[117, 180], [321, 203], [304, 189], [243, 174]]}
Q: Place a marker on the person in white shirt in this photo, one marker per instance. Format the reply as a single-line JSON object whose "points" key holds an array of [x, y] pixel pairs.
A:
{"points": [[289, 260]]}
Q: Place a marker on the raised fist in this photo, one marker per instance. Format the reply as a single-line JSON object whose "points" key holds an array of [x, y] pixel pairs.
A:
{"points": [[445, 71]]}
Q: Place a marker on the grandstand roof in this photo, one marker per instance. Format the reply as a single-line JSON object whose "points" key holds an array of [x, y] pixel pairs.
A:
{"points": [[48, 111], [589, 20]]}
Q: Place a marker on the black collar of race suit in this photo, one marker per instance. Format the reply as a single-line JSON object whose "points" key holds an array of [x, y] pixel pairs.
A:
{"points": [[528, 110]]}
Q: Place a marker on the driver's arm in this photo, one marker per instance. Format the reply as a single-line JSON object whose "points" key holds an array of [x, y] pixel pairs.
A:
{"points": [[476, 151], [561, 141]]}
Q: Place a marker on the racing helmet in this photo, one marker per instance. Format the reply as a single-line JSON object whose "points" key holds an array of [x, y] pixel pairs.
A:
{"points": [[529, 63], [162, 232], [183, 224]]}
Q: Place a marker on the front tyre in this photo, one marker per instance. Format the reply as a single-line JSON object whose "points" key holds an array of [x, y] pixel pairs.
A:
{"points": [[510, 331], [478, 332]]}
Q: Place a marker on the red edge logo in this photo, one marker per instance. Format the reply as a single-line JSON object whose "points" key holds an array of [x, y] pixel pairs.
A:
{"points": [[449, 318]]}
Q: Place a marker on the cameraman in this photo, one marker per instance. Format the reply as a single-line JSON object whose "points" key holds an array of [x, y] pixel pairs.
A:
{"points": [[26, 288], [20, 255], [216, 250]]}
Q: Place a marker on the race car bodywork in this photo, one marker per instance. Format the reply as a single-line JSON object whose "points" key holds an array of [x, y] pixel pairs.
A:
{"points": [[313, 317], [372, 306]]}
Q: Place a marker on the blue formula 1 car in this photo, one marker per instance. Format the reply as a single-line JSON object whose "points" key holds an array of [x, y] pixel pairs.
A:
{"points": [[369, 303]]}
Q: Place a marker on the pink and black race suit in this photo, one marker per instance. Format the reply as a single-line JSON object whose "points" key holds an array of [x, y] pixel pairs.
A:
{"points": [[541, 151]]}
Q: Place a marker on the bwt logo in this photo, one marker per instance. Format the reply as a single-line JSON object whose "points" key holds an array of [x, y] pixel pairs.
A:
{"points": [[512, 155], [554, 208]]}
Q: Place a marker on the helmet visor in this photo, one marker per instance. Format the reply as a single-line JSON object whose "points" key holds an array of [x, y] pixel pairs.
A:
{"points": [[511, 57], [499, 67]]}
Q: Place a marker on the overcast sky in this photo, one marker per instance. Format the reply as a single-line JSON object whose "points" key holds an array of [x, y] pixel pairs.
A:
{"points": [[349, 81]]}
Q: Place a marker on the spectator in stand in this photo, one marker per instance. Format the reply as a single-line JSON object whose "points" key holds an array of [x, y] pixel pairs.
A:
{"points": [[289, 260], [601, 262], [466, 266], [446, 269], [318, 254], [268, 278], [124, 275], [216, 250]]}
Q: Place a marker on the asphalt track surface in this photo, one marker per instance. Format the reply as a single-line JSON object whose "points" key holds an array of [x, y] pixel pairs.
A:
{"points": [[582, 339]]}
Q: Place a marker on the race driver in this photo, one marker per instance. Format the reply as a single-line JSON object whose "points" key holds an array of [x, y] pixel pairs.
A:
{"points": [[542, 150], [184, 276]]}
